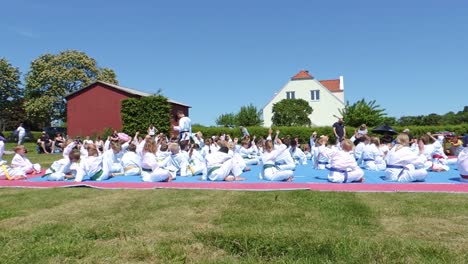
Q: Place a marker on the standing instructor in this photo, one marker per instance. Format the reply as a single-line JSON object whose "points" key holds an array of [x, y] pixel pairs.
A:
{"points": [[339, 130], [184, 127]]}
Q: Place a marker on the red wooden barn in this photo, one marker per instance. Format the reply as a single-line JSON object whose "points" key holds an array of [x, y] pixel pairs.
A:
{"points": [[96, 107]]}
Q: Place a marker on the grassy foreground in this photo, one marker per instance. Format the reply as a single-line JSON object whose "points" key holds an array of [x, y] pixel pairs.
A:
{"points": [[176, 226]]}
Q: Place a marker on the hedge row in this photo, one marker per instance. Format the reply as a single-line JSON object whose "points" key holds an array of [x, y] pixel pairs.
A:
{"points": [[303, 133]]}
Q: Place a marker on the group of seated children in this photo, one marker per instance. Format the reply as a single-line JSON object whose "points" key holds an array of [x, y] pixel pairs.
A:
{"points": [[156, 159], [220, 158], [402, 161]]}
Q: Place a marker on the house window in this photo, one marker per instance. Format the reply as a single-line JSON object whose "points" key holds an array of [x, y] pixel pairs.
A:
{"points": [[290, 95], [315, 95]]}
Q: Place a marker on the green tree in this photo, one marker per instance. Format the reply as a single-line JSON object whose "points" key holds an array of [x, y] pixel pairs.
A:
{"points": [[51, 77], [249, 116], [227, 120], [107, 75], [291, 112], [363, 112], [139, 114], [10, 94]]}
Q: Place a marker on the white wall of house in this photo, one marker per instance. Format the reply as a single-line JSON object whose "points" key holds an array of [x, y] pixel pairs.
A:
{"points": [[324, 108]]}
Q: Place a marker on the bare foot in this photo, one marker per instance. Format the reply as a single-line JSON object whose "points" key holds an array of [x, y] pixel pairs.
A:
{"points": [[239, 178], [290, 179], [230, 178], [360, 180]]}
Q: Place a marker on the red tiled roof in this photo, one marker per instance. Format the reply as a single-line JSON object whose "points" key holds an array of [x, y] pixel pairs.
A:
{"points": [[302, 75], [332, 85]]}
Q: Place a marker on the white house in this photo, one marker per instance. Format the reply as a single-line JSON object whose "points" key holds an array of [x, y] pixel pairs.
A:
{"points": [[326, 98]]}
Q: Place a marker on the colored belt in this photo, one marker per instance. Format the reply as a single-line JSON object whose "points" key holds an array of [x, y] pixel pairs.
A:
{"points": [[7, 175], [323, 162], [96, 176], [345, 173], [131, 167], [403, 168], [210, 171], [464, 177], [267, 166], [368, 159]]}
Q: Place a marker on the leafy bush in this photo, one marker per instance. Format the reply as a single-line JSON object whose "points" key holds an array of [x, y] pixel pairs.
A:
{"points": [[139, 114]]}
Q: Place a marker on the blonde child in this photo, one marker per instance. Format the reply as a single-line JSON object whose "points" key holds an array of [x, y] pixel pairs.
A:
{"points": [[321, 161], [90, 166], [248, 151], [272, 172], [403, 165], [131, 162], [343, 166], [151, 171], [21, 161], [222, 167], [63, 169], [372, 156]]}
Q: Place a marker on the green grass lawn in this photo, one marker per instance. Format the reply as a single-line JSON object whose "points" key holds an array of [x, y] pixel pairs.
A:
{"points": [[174, 226], [80, 225]]}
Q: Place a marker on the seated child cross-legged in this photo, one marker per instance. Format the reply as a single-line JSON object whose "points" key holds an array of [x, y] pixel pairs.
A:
{"points": [[90, 166], [151, 171], [272, 172], [222, 167], [11, 174], [343, 166], [403, 165], [21, 161]]}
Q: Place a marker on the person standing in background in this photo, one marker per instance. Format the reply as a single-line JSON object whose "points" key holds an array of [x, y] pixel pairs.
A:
{"points": [[21, 134], [184, 127], [339, 130]]}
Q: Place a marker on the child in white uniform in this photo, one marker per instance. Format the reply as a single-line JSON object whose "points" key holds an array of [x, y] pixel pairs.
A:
{"points": [[297, 154], [372, 156], [343, 166], [403, 165], [131, 162], [62, 169], [178, 161], [90, 166], [112, 160], [197, 164], [321, 161], [11, 174], [21, 161], [222, 167], [462, 162], [272, 172], [248, 151], [152, 172]]}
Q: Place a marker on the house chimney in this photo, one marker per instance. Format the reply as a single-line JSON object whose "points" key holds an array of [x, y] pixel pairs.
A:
{"points": [[341, 83]]}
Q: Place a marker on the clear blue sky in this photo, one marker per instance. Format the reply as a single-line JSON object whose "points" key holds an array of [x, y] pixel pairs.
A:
{"points": [[409, 56]]}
